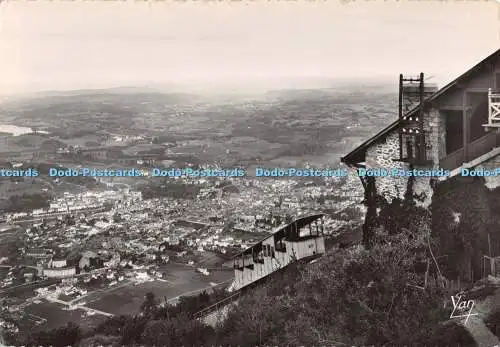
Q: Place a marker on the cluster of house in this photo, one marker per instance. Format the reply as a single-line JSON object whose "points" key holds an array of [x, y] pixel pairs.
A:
{"points": [[54, 264]]}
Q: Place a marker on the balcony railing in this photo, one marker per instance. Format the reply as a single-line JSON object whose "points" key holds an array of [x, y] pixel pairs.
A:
{"points": [[474, 150], [453, 160], [481, 146], [493, 110]]}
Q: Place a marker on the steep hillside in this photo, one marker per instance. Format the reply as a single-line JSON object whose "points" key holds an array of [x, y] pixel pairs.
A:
{"points": [[349, 297]]}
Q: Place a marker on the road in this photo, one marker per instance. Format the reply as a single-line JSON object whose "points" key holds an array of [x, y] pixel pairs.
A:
{"points": [[196, 291], [100, 291], [75, 302], [42, 283], [88, 309]]}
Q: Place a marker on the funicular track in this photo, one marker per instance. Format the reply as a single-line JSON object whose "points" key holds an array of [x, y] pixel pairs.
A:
{"points": [[233, 297]]}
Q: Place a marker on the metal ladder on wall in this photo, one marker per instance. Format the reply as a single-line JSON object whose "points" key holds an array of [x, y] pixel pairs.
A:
{"points": [[412, 93], [411, 130]]}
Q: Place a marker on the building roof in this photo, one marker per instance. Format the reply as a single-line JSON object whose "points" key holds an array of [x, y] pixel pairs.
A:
{"points": [[357, 155], [93, 148], [144, 148], [39, 251], [9, 227], [283, 230], [89, 254]]}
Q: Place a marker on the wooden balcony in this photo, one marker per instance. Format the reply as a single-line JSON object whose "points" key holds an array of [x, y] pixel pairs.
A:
{"points": [[481, 146], [472, 151], [493, 110], [453, 160]]}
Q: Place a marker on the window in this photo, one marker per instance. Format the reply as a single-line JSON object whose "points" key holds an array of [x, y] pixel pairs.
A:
{"points": [[314, 230], [238, 264], [497, 81], [265, 250], [272, 252], [280, 246], [258, 258]]}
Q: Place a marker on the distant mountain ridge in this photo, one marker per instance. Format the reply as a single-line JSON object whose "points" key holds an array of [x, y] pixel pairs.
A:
{"points": [[254, 86]]}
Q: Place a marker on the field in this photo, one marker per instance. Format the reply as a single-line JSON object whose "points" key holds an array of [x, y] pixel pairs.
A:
{"points": [[53, 315], [124, 298], [180, 280]]}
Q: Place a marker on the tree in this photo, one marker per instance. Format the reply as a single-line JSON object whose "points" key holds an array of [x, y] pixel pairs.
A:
{"points": [[149, 304], [353, 296], [62, 337], [177, 331], [371, 221], [132, 331], [112, 326], [155, 333], [100, 340]]}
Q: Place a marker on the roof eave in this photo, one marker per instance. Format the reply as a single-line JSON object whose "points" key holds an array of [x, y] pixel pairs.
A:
{"points": [[354, 156]]}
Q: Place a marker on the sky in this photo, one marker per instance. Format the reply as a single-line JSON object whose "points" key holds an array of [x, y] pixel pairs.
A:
{"points": [[67, 45]]}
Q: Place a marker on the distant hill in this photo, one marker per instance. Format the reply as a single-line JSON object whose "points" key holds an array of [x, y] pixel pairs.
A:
{"points": [[318, 123], [50, 98], [113, 90]]}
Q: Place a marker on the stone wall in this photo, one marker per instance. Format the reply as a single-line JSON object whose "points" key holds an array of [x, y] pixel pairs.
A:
{"points": [[381, 155], [216, 318], [435, 128], [493, 163]]}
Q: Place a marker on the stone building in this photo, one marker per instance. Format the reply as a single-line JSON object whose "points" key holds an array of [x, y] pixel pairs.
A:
{"points": [[454, 135], [59, 272], [449, 140], [95, 153]]}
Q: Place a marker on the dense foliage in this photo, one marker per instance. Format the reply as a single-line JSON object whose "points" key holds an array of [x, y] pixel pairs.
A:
{"points": [[465, 217], [353, 297], [350, 297], [61, 337], [493, 323], [170, 189]]}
